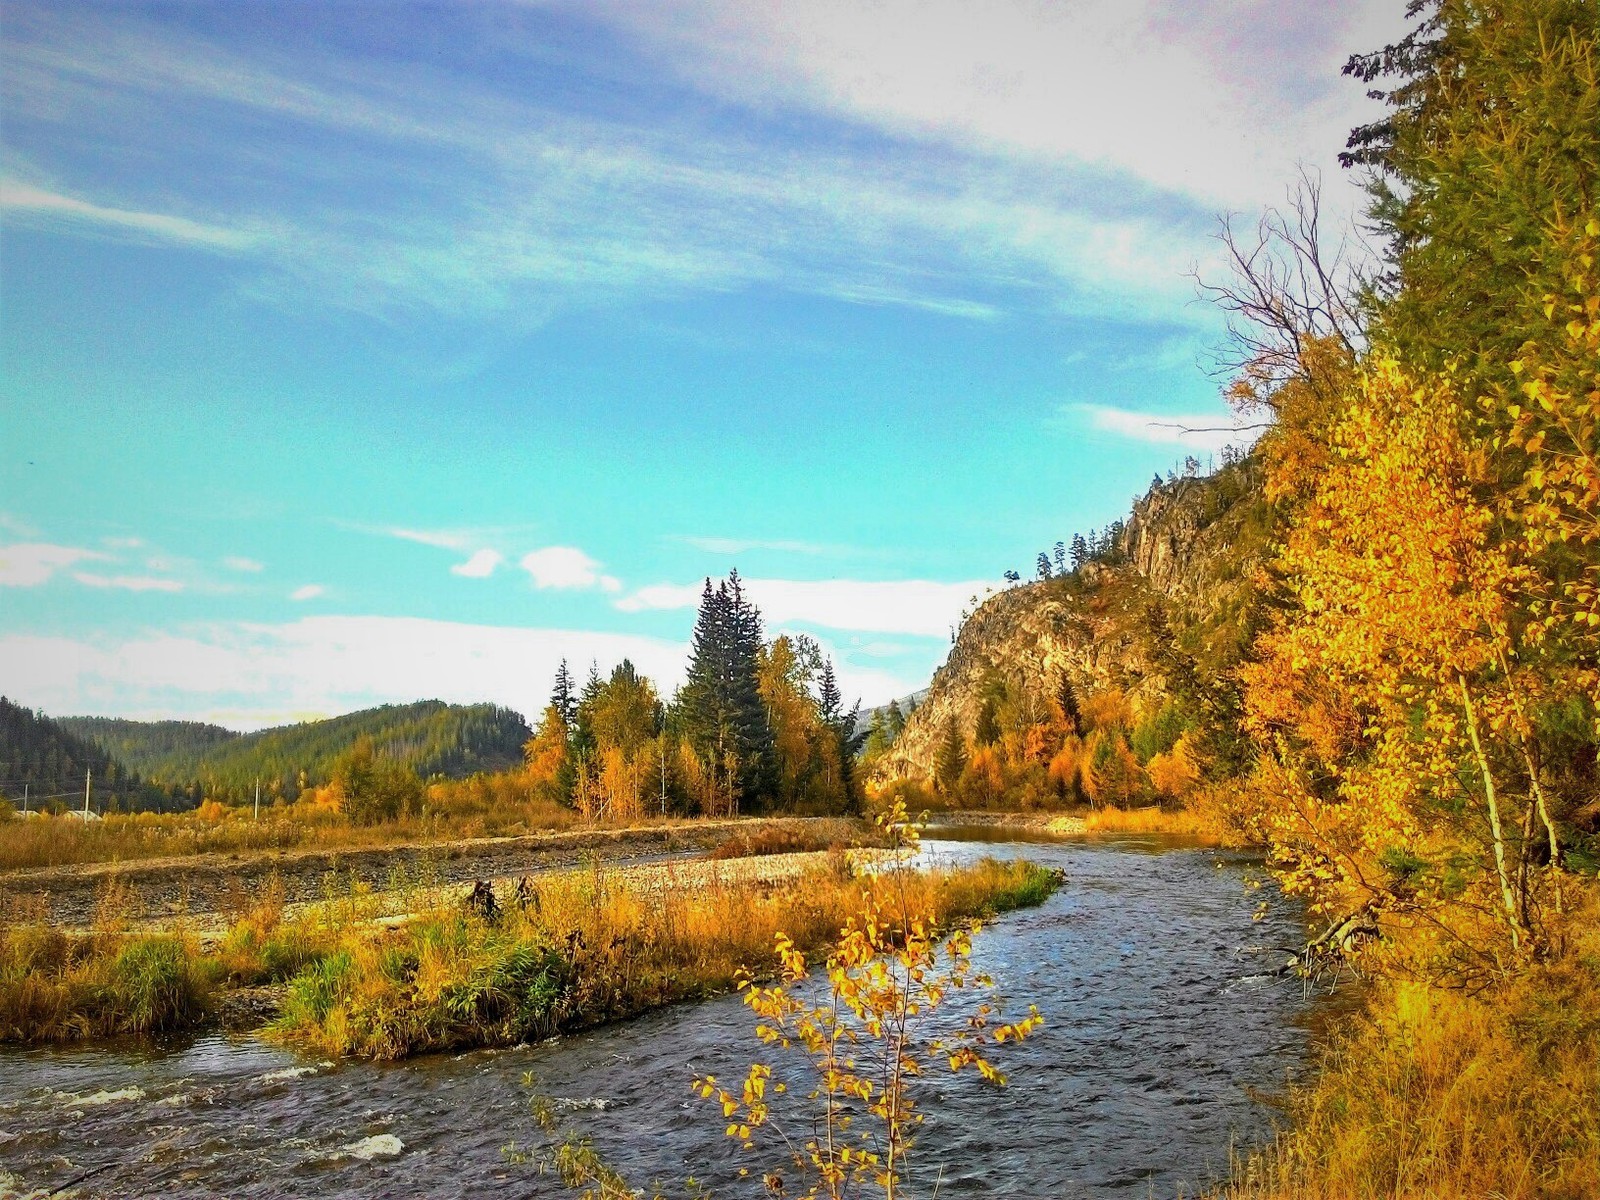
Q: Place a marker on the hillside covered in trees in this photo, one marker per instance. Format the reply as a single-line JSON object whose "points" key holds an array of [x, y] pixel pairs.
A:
{"points": [[428, 738], [45, 765]]}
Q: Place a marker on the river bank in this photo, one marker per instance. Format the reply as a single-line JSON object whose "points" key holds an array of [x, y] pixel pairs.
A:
{"points": [[1165, 1023]]}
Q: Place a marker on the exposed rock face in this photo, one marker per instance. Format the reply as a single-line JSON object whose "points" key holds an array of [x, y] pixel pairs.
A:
{"points": [[1191, 544], [1161, 535]]}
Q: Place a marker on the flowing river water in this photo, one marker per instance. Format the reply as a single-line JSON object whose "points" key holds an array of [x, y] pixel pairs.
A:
{"points": [[1165, 1025]]}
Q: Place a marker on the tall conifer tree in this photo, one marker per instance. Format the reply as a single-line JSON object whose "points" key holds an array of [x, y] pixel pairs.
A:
{"points": [[562, 697], [720, 705]]}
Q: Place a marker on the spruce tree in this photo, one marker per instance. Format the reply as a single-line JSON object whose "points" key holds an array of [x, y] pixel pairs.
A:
{"points": [[583, 739], [952, 758], [987, 732], [720, 705], [562, 697], [843, 726], [752, 734], [877, 734], [1080, 551], [830, 703], [1067, 698], [894, 719]]}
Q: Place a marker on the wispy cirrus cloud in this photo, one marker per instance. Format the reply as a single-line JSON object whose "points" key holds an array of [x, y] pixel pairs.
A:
{"points": [[31, 205], [512, 203], [1153, 91], [128, 583], [307, 591], [443, 539], [239, 562]]}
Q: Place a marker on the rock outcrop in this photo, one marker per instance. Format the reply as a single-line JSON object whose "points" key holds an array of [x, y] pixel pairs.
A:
{"points": [[1189, 548]]}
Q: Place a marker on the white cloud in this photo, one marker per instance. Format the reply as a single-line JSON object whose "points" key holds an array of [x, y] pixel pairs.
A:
{"points": [[309, 591], [237, 562], [1196, 431], [128, 583], [123, 543], [1214, 101], [325, 664], [443, 539], [28, 564], [880, 649], [21, 199], [566, 567], [248, 675], [913, 607], [480, 565]]}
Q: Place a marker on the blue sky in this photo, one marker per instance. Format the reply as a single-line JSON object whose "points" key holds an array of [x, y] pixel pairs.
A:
{"points": [[360, 352]]}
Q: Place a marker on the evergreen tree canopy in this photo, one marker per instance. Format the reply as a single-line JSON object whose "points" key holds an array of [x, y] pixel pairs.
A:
{"points": [[720, 707], [562, 697], [952, 758]]}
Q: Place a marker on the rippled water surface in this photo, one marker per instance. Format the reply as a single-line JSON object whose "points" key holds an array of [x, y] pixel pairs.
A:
{"points": [[1160, 1022]]}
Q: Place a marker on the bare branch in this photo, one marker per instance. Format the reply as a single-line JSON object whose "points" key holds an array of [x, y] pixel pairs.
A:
{"points": [[1290, 291]]}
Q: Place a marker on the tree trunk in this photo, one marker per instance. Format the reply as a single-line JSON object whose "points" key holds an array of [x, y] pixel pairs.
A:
{"points": [[1506, 895], [1525, 743]]}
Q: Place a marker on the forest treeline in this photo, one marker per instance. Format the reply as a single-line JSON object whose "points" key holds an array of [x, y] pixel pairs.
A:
{"points": [[1422, 699], [756, 726]]}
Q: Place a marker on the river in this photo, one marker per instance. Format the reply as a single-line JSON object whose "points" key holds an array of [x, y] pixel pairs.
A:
{"points": [[1164, 1021]]}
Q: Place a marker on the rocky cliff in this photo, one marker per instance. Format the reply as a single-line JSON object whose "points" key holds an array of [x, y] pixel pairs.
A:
{"points": [[1182, 571]]}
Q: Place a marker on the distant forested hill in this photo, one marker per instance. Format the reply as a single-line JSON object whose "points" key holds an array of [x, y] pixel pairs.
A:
{"points": [[44, 761], [148, 746], [431, 737]]}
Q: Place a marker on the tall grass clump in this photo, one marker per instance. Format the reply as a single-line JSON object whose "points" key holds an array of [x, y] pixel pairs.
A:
{"points": [[59, 986]]}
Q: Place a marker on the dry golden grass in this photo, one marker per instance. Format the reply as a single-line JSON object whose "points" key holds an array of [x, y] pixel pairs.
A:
{"points": [[67, 840], [1437, 1093], [837, 833], [588, 949], [1150, 819]]}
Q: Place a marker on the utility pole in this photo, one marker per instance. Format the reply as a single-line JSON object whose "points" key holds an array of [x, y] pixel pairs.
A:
{"points": [[258, 799], [24, 799], [88, 774]]}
